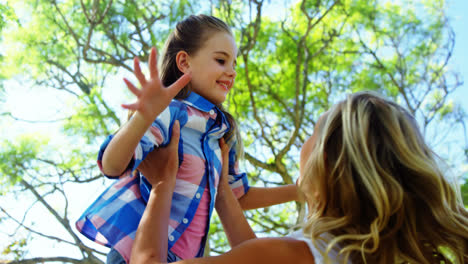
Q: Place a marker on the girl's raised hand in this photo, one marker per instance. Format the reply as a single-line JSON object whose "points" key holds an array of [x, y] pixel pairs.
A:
{"points": [[153, 97]]}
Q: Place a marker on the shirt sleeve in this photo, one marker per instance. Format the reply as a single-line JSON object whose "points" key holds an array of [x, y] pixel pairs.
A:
{"points": [[157, 135], [237, 180]]}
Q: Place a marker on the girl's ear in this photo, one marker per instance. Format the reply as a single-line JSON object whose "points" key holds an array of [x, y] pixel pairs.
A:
{"points": [[182, 60]]}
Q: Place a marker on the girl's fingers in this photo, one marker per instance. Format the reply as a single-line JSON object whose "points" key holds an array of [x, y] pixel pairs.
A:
{"points": [[175, 88], [137, 71], [133, 106], [132, 88], [152, 63]]}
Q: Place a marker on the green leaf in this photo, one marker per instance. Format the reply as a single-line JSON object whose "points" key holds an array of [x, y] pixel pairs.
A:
{"points": [[16, 157]]}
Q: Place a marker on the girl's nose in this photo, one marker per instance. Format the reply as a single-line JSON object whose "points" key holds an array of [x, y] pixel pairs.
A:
{"points": [[232, 72]]}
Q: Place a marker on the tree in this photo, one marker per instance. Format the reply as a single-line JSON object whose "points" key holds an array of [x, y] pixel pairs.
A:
{"points": [[291, 68]]}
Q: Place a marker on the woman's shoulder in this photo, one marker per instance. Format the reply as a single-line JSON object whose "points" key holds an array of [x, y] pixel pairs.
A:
{"points": [[319, 246], [299, 250], [269, 250], [298, 235]]}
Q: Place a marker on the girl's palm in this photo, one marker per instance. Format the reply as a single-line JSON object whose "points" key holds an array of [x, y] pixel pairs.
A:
{"points": [[153, 97]]}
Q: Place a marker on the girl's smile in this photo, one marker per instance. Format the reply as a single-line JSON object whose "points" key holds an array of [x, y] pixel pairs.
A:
{"points": [[225, 84]]}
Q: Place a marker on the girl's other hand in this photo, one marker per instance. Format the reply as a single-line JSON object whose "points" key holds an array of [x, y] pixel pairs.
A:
{"points": [[161, 164], [153, 97]]}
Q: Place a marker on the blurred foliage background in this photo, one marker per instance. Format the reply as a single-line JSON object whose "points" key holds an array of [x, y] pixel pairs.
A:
{"points": [[296, 59]]}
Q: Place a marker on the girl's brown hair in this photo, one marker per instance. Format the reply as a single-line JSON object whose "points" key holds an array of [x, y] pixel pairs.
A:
{"points": [[380, 189], [189, 36]]}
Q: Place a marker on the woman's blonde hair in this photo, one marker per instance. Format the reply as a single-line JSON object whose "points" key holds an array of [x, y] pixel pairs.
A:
{"points": [[380, 191]]}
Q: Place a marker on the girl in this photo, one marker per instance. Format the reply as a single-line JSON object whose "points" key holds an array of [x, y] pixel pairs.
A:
{"points": [[198, 67], [374, 189]]}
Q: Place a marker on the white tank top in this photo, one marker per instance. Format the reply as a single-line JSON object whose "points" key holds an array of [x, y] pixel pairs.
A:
{"points": [[321, 246]]}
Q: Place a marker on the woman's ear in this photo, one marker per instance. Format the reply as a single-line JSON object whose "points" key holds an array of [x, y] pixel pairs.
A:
{"points": [[182, 60]]}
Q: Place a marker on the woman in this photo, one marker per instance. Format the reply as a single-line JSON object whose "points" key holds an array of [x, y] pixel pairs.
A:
{"points": [[374, 190]]}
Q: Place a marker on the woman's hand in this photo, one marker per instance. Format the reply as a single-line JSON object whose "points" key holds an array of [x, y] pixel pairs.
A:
{"points": [[153, 97], [224, 178], [161, 164], [230, 213], [160, 168]]}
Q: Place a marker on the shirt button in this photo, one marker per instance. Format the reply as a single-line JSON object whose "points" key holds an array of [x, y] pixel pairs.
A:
{"points": [[171, 238], [211, 112], [185, 220], [198, 196]]}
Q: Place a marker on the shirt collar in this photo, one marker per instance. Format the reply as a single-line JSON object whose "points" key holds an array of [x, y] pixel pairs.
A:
{"points": [[198, 102]]}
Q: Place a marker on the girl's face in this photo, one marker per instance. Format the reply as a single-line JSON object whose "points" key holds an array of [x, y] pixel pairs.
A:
{"points": [[213, 67]]}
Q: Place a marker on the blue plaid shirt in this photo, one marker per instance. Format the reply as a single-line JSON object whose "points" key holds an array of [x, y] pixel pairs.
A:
{"points": [[112, 220]]}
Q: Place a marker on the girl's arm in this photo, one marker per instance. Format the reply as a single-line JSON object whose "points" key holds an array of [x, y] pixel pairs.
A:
{"points": [[230, 213], [120, 149], [258, 197], [153, 98]]}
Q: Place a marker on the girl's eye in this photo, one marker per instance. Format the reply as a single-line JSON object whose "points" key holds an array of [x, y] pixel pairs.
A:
{"points": [[220, 61]]}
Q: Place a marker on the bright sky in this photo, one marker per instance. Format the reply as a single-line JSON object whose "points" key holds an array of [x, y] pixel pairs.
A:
{"points": [[30, 104], [457, 12]]}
